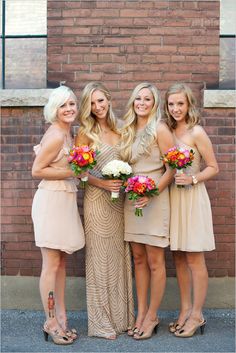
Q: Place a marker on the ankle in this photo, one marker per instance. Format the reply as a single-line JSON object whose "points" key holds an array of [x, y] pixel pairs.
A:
{"points": [[185, 313], [140, 317], [196, 317], [151, 316]]}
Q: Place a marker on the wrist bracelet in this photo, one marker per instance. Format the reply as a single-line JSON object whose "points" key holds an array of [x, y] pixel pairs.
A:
{"points": [[195, 181]]}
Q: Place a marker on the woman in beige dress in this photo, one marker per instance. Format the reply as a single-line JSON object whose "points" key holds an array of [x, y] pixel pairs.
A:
{"points": [[108, 261], [191, 230], [57, 225], [144, 139]]}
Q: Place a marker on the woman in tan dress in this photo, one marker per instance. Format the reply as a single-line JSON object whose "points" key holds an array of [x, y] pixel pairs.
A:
{"points": [[57, 225], [191, 230], [108, 260], [144, 139]]}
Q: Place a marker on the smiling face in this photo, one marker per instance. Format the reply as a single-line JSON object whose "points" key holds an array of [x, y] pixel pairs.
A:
{"points": [[143, 103], [67, 112], [178, 106], [99, 104]]}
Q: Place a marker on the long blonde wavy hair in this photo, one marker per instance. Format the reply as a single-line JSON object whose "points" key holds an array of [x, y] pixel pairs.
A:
{"points": [[89, 126], [193, 117], [128, 131]]}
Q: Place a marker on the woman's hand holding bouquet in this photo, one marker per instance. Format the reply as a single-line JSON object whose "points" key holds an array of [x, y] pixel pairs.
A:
{"points": [[139, 187], [178, 158], [119, 172], [82, 158]]}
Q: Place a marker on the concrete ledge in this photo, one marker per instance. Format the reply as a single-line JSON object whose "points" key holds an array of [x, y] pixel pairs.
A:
{"points": [[219, 99], [19, 292], [24, 97]]}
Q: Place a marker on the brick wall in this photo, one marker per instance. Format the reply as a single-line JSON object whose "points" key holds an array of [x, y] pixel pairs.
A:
{"points": [[23, 127], [120, 43], [125, 42]]}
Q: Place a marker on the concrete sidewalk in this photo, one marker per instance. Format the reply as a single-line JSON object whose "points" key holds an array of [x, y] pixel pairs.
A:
{"points": [[21, 332]]}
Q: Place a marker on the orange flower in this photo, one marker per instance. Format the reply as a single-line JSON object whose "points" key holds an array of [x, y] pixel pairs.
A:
{"points": [[86, 156]]}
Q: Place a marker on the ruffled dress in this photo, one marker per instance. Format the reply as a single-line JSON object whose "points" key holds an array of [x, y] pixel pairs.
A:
{"points": [[57, 223]]}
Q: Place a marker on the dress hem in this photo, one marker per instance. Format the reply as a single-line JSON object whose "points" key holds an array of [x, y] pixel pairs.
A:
{"points": [[192, 250], [56, 247]]}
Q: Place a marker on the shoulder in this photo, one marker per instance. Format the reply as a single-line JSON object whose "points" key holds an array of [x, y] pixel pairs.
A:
{"points": [[200, 137], [198, 131], [54, 135], [162, 128], [82, 139], [53, 139]]}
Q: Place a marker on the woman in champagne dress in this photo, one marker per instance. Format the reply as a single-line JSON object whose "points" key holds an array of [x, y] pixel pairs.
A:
{"points": [[108, 259], [57, 225], [191, 230], [144, 139]]}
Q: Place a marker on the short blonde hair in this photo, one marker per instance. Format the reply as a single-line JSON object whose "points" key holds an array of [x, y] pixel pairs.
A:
{"points": [[193, 117], [56, 99]]}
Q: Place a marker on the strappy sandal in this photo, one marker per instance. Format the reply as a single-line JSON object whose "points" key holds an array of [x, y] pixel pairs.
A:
{"points": [[132, 331], [70, 332], [55, 336], [175, 326], [199, 325], [148, 333]]}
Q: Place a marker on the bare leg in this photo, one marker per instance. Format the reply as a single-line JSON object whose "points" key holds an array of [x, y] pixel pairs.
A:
{"points": [[142, 280], [185, 284], [47, 284], [60, 292], [156, 262], [197, 265]]}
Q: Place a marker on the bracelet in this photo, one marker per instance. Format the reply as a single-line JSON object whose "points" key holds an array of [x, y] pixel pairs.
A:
{"points": [[195, 181]]}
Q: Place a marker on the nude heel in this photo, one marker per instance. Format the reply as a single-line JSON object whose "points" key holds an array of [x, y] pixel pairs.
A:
{"points": [[45, 335], [202, 327], [148, 334], [183, 333], [55, 336]]}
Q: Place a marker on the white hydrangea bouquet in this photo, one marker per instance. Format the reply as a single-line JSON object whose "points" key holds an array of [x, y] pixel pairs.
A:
{"points": [[117, 169]]}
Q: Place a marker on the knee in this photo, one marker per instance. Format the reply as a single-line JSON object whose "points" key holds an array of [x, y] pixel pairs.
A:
{"points": [[139, 259], [196, 263], [179, 259], [52, 265], [156, 264]]}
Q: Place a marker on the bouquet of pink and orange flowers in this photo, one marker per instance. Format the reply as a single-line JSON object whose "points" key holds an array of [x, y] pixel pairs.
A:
{"points": [[178, 158], [81, 159], [138, 186]]}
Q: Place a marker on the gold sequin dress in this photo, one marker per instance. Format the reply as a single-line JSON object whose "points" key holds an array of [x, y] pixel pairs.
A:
{"points": [[108, 260]]}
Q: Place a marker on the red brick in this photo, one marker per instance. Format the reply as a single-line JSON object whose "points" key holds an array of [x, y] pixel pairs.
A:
{"points": [[134, 13]]}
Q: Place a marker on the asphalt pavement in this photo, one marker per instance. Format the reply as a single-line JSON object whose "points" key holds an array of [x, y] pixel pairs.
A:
{"points": [[21, 331]]}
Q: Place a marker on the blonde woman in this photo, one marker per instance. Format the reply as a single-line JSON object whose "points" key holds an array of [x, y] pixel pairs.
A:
{"points": [[108, 262], [191, 230], [57, 225], [144, 139]]}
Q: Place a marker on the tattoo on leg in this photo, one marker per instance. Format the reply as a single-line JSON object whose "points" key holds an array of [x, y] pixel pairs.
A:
{"points": [[51, 304]]}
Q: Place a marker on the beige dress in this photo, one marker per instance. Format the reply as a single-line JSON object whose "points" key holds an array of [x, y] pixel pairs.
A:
{"points": [[108, 260], [153, 227], [55, 215], [191, 219]]}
